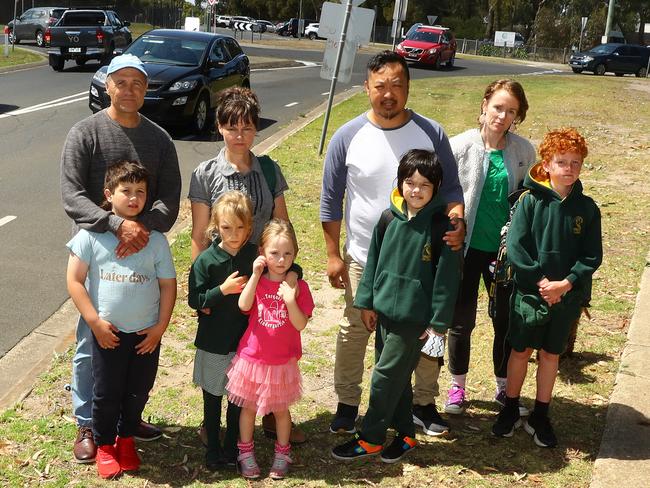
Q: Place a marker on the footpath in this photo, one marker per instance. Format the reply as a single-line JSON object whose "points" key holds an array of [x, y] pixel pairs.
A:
{"points": [[625, 447]]}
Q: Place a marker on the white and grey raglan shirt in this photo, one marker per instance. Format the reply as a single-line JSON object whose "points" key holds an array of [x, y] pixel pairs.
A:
{"points": [[361, 164]]}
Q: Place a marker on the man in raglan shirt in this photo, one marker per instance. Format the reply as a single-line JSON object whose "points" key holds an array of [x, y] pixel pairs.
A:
{"points": [[361, 165]]}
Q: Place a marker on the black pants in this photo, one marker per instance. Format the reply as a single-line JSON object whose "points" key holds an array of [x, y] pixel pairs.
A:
{"points": [[212, 423], [476, 267], [123, 380]]}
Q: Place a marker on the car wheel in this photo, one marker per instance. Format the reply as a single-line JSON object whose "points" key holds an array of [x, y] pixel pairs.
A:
{"points": [[599, 70], [436, 65], [39, 38], [200, 116], [80, 61], [450, 61], [56, 62], [312, 36], [641, 72], [285, 34], [12, 38], [577, 70]]}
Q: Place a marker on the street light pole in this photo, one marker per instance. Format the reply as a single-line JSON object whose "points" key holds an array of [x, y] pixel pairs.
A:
{"points": [[610, 19]]}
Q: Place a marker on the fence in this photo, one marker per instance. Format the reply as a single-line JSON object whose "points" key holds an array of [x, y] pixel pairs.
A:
{"points": [[534, 53]]}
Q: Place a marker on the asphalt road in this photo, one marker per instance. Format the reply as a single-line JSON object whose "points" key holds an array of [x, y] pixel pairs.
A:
{"points": [[38, 107]]}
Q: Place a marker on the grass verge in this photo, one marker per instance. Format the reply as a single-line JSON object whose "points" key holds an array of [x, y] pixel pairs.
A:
{"points": [[18, 56], [36, 436]]}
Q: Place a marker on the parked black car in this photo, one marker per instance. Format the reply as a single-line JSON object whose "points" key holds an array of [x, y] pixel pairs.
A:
{"points": [[615, 58], [186, 71], [32, 23], [290, 28]]}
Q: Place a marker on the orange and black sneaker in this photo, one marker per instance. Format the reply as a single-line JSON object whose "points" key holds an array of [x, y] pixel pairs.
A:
{"points": [[355, 448], [398, 448]]}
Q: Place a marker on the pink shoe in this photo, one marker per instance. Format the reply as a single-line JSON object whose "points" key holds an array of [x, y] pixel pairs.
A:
{"points": [[280, 466], [248, 465]]}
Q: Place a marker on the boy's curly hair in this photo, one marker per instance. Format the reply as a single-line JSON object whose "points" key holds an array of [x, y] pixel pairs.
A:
{"points": [[559, 141]]}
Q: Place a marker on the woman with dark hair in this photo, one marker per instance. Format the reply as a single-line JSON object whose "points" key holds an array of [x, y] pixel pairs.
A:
{"points": [[492, 163]]}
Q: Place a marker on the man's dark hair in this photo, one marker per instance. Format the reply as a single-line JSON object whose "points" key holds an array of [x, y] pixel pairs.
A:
{"points": [[378, 61], [424, 162], [123, 172]]}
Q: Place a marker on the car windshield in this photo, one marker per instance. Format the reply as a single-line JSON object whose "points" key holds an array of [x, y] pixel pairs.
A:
{"points": [[168, 50], [425, 36], [604, 49]]}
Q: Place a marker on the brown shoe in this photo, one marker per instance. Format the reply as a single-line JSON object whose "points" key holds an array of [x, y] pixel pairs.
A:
{"points": [[297, 434], [147, 432], [84, 446]]}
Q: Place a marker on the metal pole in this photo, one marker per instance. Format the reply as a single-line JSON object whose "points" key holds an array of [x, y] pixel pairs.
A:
{"points": [[397, 21], [647, 68], [300, 20], [337, 64], [13, 44], [610, 19]]}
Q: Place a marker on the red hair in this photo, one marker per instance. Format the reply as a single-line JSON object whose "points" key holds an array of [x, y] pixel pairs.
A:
{"points": [[563, 140]]}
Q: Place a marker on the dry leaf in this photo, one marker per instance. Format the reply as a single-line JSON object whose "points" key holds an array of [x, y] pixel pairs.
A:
{"points": [[184, 459], [173, 429], [47, 469], [519, 477], [37, 454]]}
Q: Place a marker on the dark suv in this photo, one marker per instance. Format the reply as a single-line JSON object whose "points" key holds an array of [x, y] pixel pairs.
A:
{"points": [[32, 24], [614, 58]]}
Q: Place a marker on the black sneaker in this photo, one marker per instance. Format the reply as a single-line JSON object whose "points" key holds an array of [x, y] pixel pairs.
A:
{"points": [[541, 429], [398, 448], [356, 448], [429, 419], [507, 421], [346, 416]]}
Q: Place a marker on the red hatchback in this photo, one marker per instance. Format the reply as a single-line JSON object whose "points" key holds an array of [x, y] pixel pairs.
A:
{"points": [[429, 44]]}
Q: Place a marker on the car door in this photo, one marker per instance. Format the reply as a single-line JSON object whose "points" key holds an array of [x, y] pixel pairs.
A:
{"points": [[218, 71], [445, 53], [119, 31], [23, 26], [619, 60]]}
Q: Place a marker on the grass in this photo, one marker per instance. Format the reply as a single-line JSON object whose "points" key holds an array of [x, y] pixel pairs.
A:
{"points": [[18, 56], [36, 435]]}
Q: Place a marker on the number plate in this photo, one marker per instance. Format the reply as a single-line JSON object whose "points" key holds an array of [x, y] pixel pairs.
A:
{"points": [[74, 50]]}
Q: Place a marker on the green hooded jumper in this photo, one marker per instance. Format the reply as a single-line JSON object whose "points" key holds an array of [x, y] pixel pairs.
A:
{"points": [[400, 282]]}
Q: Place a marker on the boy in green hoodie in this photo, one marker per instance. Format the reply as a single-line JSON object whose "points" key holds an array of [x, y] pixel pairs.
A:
{"points": [[409, 284], [554, 245]]}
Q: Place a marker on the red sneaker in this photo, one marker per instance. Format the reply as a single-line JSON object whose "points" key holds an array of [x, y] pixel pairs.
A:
{"points": [[106, 459], [127, 456]]}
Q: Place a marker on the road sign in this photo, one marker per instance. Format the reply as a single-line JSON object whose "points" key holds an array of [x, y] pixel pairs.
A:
{"points": [[504, 38], [584, 22], [212, 2], [431, 19]]}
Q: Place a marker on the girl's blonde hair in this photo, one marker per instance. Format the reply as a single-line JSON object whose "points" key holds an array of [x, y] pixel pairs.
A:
{"points": [[231, 204], [279, 227]]}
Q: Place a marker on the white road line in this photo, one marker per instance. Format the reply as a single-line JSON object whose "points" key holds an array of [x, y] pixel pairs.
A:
{"points": [[546, 72], [286, 67], [45, 105], [291, 104], [7, 219]]}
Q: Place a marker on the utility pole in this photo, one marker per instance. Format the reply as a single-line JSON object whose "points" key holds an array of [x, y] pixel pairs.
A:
{"points": [[610, 19]]}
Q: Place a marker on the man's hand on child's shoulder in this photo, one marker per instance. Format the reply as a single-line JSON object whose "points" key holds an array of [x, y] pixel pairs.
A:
{"points": [[455, 238], [287, 292]]}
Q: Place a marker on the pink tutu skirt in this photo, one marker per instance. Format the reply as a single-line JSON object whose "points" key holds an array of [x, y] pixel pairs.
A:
{"points": [[264, 388]]}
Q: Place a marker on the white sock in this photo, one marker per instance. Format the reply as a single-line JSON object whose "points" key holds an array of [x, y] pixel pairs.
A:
{"points": [[458, 380], [501, 383]]}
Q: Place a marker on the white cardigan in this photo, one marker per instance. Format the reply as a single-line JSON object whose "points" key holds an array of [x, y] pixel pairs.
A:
{"points": [[473, 161]]}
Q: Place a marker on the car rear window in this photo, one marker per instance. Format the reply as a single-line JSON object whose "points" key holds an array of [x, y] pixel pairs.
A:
{"points": [[83, 18], [425, 36], [57, 13]]}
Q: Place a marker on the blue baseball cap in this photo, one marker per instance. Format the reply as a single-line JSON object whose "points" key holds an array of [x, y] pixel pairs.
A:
{"points": [[126, 61]]}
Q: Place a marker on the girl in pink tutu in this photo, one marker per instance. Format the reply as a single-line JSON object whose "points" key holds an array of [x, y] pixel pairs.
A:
{"points": [[264, 375]]}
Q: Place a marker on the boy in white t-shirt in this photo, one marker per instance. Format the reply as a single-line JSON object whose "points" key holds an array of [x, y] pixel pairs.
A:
{"points": [[127, 303]]}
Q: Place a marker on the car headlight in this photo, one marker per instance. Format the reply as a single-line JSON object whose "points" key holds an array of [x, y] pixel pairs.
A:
{"points": [[433, 50], [183, 85], [587, 58], [100, 77], [399, 47]]}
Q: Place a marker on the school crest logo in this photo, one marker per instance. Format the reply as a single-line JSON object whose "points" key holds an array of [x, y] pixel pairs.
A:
{"points": [[578, 221], [426, 252]]}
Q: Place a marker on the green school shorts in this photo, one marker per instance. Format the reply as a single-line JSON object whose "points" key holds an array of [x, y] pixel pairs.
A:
{"points": [[550, 334]]}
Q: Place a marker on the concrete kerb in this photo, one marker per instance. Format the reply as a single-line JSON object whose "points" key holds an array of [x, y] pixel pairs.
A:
{"points": [[21, 366], [625, 447]]}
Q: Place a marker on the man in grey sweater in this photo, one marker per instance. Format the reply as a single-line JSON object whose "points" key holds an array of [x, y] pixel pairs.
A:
{"points": [[117, 133]]}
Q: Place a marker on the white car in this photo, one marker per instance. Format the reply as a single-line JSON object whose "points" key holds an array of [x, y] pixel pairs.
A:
{"points": [[223, 20], [311, 31], [267, 25]]}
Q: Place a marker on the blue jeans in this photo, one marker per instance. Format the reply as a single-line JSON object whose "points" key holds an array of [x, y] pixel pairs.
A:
{"points": [[82, 376]]}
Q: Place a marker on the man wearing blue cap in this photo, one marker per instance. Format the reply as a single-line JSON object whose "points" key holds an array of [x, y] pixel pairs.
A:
{"points": [[116, 133]]}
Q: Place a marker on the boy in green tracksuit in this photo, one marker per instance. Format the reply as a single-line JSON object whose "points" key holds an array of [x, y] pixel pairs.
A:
{"points": [[410, 283], [554, 246]]}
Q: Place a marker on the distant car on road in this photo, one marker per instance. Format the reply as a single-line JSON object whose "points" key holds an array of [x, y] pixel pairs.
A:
{"points": [[311, 31], [429, 44], [267, 25], [223, 20], [31, 25], [290, 28], [186, 71], [615, 58]]}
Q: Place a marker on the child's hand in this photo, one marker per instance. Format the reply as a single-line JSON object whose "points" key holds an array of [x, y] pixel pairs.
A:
{"points": [[105, 332], [150, 342], [369, 319], [430, 331], [206, 311], [292, 279], [287, 292], [233, 284], [553, 291], [258, 265]]}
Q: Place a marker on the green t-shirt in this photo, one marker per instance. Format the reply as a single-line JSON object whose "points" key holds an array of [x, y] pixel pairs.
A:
{"points": [[493, 208]]}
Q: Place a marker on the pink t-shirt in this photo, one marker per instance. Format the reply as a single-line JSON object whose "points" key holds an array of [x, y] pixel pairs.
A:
{"points": [[270, 337]]}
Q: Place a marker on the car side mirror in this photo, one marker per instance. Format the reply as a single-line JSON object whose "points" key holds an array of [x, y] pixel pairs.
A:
{"points": [[118, 52], [215, 63]]}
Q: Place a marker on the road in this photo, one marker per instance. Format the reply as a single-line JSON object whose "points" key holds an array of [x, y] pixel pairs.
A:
{"points": [[38, 107]]}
